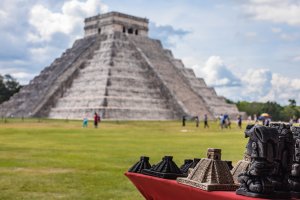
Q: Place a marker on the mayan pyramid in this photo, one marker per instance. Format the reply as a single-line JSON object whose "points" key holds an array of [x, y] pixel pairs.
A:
{"points": [[118, 71]]}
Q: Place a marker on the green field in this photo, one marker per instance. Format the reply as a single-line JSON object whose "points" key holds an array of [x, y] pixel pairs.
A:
{"points": [[52, 159]]}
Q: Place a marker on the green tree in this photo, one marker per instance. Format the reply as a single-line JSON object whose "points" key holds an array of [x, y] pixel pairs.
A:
{"points": [[8, 87], [291, 111], [273, 109], [292, 102]]}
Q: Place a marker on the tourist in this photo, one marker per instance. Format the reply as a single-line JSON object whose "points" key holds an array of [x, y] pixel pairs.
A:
{"points": [[267, 121], [239, 121], [96, 118], [255, 118], [85, 122], [249, 119], [228, 122], [183, 120], [197, 121], [222, 121], [225, 120], [206, 121]]}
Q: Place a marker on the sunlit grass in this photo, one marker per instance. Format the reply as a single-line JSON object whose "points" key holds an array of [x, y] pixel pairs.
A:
{"points": [[58, 159]]}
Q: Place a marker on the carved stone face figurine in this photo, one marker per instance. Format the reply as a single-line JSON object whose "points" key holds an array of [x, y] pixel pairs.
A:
{"points": [[282, 160], [294, 179], [297, 150], [262, 148]]}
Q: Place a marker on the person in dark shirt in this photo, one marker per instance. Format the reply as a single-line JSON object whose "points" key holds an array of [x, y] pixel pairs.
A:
{"points": [[197, 121], [96, 120], [206, 121], [239, 121]]}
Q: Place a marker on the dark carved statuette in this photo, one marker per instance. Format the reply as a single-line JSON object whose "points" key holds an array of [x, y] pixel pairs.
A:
{"points": [[261, 147], [166, 168], [294, 179], [282, 161], [140, 165], [188, 164]]}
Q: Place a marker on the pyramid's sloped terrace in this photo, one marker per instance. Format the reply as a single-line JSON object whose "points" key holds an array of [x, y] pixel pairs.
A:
{"points": [[118, 71]]}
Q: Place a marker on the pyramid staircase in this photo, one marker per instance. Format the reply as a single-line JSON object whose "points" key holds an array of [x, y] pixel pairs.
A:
{"points": [[121, 75]]}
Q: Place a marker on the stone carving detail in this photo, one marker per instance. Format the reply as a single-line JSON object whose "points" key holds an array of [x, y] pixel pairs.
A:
{"points": [[241, 167], [294, 179], [262, 148], [210, 174], [283, 160]]}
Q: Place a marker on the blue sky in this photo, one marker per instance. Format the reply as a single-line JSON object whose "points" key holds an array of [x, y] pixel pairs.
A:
{"points": [[246, 49]]}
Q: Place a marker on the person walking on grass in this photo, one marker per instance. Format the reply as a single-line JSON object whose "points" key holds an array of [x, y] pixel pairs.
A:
{"points": [[222, 120], [206, 121], [96, 119], [85, 122], [197, 121], [239, 121], [183, 120]]}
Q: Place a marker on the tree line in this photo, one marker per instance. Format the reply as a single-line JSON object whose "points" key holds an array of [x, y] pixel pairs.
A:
{"points": [[8, 87], [277, 111]]}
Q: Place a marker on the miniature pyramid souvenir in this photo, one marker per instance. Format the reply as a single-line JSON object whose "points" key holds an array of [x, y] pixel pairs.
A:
{"points": [[186, 165], [166, 168], [140, 165], [229, 163], [195, 162], [210, 173], [294, 179], [241, 167], [189, 164]]}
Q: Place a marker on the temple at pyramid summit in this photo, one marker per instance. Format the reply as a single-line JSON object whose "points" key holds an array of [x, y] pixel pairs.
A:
{"points": [[119, 72]]}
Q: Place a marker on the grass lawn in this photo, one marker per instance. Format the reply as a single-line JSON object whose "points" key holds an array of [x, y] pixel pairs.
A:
{"points": [[58, 159]]}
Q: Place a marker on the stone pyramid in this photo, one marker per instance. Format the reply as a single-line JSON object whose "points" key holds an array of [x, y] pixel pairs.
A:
{"points": [[118, 71]]}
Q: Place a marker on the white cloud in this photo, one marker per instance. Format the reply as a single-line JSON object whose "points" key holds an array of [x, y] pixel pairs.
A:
{"points": [[296, 58], [251, 34], [41, 54], [289, 37], [254, 85], [284, 88], [22, 76], [3, 15], [257, 82], [216, 73], [276, 30], [77, 8], [46, 22], [276, 11]]}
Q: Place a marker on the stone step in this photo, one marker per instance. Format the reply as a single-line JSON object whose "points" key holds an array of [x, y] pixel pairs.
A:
{"points": [[165, 68], [137, 102], [114, 113]]}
